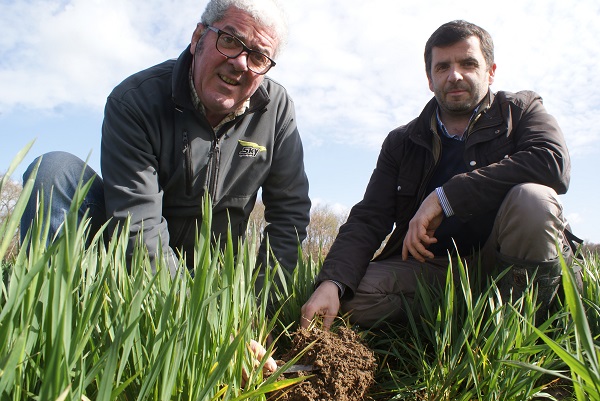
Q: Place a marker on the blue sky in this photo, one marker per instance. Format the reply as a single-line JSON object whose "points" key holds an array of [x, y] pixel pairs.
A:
{"points": [[354, 69]]}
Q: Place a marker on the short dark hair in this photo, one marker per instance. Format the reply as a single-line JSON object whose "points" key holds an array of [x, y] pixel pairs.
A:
{"points": [[455, 31]]}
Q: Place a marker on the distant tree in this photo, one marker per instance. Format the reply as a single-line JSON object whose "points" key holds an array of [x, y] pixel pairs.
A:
{"points": [[591, 248], [321, 232], [257, 222], [8, 198]]}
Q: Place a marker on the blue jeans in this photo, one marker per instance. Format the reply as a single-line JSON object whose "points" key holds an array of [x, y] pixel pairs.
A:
{"points": [[58, 176]]}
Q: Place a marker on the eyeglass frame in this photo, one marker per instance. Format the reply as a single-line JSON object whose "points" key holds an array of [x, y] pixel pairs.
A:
{"points": [[244, 49]]}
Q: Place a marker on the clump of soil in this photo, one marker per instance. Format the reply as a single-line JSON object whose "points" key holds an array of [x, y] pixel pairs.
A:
{"points": [[345, 367]]}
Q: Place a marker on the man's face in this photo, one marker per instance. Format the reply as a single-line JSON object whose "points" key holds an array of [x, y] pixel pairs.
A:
{"points": [[223, 84], [459, 76]]}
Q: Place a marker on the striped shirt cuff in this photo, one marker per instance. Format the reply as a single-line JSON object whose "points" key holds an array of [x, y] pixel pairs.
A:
{"points": [[340, 286], [444, 202]]}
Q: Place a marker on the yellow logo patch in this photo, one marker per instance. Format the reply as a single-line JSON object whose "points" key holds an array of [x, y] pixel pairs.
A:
{"points": [[250, 149]]}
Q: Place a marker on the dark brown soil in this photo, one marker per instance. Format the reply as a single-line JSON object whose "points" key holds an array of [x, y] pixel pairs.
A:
{"points": [[345, 366], [561, 389]]}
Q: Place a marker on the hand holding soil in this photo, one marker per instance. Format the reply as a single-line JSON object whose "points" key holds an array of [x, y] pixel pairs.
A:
{"points": [[324, 302]]}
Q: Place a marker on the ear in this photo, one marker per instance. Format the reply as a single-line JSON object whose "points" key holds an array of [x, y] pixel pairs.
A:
{"points": [[492, 73], [430, 82], [196, 36]]}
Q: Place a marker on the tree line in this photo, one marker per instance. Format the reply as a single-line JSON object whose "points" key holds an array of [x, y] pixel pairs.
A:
{"points": [[320, 233]]}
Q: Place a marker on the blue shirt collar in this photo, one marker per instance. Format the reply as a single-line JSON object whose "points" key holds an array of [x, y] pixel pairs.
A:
{"points": [[445, 132]]}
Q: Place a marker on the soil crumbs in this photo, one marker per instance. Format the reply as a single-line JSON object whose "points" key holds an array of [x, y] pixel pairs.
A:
{"points": [[345, 367]]}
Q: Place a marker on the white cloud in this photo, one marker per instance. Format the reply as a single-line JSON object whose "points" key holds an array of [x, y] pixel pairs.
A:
{"points": [[77, 51], [354, 68], [363, 71]]}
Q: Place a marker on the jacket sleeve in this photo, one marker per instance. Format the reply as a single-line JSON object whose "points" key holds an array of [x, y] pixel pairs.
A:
{"points": [[369, 222], [285, 194], [540, 156], [130, 172]]}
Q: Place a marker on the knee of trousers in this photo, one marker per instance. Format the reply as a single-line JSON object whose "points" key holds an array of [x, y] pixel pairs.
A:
{"points": [[530, 222], [61, 173], [57, 177], [54, 167], [531, 207]]}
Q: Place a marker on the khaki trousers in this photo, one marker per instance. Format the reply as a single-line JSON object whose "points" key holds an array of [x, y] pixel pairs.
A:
{"points": [[528, 225]]}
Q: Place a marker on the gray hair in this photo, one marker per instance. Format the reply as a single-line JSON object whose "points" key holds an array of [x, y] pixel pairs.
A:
{"points": [[268, 13]]}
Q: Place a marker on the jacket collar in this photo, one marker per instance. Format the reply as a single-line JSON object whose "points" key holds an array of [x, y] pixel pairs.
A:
{"points": [[422, 133], [426, 123], [425, 126], [181, 90]]}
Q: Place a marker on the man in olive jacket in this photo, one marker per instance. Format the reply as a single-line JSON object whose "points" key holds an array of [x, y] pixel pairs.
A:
{"points": [[207, 124], [476, 171]]}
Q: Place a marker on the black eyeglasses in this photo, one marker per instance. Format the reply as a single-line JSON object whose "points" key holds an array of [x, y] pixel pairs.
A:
{"points": [[231, 47]]}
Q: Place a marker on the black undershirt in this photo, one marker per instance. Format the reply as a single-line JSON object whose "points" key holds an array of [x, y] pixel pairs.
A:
{"points": [[470, 234]]}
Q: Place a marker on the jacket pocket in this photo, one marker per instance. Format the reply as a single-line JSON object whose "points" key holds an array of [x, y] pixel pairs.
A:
{"points": [[497, 151], [492, 151], [406, 196]]}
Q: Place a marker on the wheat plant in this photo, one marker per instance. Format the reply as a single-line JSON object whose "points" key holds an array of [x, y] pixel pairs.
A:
{"points": [[78, 321]]}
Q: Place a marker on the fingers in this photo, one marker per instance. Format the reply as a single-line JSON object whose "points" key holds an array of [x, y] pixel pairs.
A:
{"points": [[270, 366], [416, 242], [418, 249], [421, 230], [245, 377], [259, 352], [304, 321], [328, 321], [309, 312], [328, 318], [324, 303]]}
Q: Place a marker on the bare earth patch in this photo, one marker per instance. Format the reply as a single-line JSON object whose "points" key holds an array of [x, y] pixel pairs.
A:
{"points": [[345, 366]]}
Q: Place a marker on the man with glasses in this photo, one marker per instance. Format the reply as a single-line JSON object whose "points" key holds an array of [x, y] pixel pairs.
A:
{"points": [[207, 124], [476, 172]]}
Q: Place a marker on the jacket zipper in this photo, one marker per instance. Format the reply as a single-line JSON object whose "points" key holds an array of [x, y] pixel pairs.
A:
{"points": [[421, 193], [213, 175], [394, 241], [187, 153]]}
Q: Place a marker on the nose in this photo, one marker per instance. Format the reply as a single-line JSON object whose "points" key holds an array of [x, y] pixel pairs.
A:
{"points": [[454, 75], [240, 63]]}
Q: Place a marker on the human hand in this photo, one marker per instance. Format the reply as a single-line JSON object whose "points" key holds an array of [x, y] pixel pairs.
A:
{"points": [[324, 302], [421, 229], [259, 352]]}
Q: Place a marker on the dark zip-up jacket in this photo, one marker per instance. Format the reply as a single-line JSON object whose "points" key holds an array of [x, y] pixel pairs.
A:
{"points": [[160, 154], [511, 140]]}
